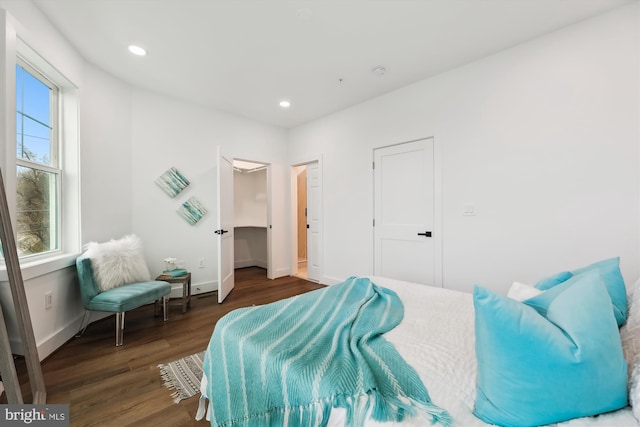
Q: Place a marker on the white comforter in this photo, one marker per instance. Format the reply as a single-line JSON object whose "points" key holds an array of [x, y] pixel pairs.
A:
{"points": [[437, 338]]}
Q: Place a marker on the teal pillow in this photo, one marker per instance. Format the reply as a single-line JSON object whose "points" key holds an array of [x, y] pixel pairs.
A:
{"points": [[551, 358], [556, 279], [609, 269]]}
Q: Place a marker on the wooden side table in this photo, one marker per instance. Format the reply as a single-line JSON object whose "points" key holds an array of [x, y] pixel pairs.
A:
{"points": [[186, 288]]}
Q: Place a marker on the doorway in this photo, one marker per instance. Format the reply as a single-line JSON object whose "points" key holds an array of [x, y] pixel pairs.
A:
{"points": [[301, 217], [306, 214], [251, 215]]}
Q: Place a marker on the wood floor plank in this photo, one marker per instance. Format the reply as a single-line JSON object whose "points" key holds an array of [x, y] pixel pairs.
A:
{"points": [[121, 386]]}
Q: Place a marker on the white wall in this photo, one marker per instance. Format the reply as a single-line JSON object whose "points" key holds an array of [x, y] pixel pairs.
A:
{"points": [[250, 198], [106, 157], [250, 247], [250, 218], [167, 132], [543, 138]]}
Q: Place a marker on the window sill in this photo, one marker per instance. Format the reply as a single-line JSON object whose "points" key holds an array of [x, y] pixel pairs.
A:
{"points": [[41, 267]]}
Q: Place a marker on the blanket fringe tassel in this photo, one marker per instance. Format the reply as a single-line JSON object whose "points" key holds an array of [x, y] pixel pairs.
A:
{"points": [[381, 408], [358, 410]]}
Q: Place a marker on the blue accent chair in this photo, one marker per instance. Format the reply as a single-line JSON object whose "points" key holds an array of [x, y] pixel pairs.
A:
{"points": [[120, 299]]}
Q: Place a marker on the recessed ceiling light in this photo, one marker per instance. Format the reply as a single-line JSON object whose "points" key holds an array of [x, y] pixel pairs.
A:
{"points": [[285, 104], [137, 50]]}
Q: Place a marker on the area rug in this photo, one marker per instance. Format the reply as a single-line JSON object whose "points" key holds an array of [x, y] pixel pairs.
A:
{"points": [[183, 376]]}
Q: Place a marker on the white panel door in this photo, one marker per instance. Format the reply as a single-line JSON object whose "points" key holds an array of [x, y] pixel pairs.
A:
{"points": [[225, 233], [404, 211], [314, 222]]}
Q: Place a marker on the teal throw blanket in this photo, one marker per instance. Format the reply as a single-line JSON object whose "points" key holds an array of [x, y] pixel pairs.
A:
{"points": [[292, 361]]}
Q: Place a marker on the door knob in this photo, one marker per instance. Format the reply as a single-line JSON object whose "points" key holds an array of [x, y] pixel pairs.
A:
{"points": [[425, 234]]}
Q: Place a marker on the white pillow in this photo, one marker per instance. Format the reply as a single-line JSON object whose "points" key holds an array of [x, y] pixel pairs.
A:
{"points": [[520, 292], [630, 336], [634, 388], [118, 262]]}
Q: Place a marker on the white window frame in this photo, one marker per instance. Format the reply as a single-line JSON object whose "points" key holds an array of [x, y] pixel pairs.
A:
{"points": [[69, 161], [54, 153]]}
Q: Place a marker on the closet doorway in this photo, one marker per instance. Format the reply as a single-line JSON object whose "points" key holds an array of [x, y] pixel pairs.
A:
{"points": [[306, 198], [252, 215]]}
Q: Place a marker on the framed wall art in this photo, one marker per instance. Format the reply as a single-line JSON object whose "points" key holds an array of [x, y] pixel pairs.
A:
{"points": [[172, 182], [192, 211]]}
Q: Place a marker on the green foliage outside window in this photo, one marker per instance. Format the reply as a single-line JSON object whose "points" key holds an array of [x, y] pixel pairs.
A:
{"points": [[36, 203]]}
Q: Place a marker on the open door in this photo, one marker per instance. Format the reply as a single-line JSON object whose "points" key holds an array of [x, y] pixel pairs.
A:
{"points": [[224, 231], [314, 222], [310, 223]]}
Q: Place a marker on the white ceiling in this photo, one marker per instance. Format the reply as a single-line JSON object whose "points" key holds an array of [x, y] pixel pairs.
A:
{"points": [[244, 56]]}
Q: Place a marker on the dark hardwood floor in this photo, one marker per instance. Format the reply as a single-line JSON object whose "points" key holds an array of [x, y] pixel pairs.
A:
{"points": [[121, 386]]}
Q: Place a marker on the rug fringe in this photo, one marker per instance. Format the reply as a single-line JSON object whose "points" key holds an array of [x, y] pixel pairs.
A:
{"points": [[169, 381], [177, 397]]}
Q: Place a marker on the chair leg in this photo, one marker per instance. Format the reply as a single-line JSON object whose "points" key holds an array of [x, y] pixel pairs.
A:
{"points": [[83, 326], [165, 307], [119, 328]]}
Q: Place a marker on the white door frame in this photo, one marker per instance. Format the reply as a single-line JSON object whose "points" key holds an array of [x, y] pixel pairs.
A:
{"points": [[438, 239], [438, 231], [293, 214]]}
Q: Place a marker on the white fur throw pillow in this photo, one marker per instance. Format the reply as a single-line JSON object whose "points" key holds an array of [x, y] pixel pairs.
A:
{"points": [[117, 262]]}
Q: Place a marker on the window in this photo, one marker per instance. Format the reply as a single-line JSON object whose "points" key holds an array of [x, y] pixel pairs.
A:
{"points": [[38, 180]]}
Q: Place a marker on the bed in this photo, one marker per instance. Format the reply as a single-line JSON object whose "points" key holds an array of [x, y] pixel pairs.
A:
{"points": [[437, 338]]}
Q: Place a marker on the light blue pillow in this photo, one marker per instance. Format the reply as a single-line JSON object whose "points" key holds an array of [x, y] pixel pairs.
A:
{"points": [[609, 269], [556, 279], [554, 357]]}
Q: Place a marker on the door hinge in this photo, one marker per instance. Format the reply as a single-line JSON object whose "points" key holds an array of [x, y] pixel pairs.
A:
{"points": [[374, 222], [373, 164]]}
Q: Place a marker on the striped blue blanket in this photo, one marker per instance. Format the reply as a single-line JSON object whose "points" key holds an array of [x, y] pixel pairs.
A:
{"points": [[290, 362]]}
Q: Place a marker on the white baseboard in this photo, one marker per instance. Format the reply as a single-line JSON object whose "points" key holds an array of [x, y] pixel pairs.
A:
{"points": [[326, 280], [254, 262], [281, 272], [202, 287], [61, 336], [52, 342]]}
